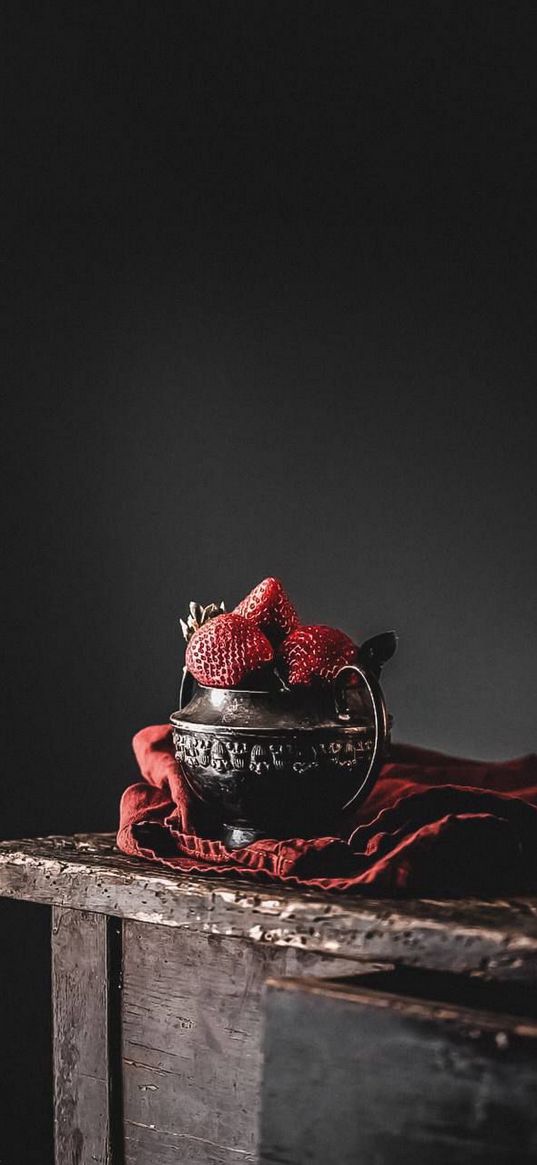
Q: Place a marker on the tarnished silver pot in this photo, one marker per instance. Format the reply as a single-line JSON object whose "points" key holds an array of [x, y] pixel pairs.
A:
{"points": [[286, 762]]}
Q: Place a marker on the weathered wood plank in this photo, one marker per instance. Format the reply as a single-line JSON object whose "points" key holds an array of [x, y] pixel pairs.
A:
{"points": [[354, 1074], [494, 938], [191, 1028], [86, 1081]]}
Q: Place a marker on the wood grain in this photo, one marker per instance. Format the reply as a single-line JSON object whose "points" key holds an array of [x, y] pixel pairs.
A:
{"points": [[353, 1074], [192, 1034], [492, 938], [86, 1081]]}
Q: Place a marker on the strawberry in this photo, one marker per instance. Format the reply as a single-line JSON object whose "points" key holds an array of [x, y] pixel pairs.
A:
{"points": [[225, 650], [269, 607], [316, 653]]}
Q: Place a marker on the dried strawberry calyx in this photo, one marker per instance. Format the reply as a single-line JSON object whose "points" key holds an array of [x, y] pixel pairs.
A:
{"points": [[199, 616]]}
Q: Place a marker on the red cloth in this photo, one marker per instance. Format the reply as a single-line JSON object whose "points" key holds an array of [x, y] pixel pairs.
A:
{"points": [[433, 824]]}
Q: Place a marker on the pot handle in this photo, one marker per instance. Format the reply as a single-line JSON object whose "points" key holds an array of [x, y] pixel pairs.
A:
{"points": [[375, 652], [380, 716], [186, 688]]}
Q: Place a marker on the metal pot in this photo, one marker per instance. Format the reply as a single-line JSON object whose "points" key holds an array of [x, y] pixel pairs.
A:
{"points": [[287, 762]]}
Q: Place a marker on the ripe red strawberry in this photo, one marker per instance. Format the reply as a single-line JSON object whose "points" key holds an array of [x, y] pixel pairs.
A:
{"points": [[270, 608], [225, 650], [316, 653]]}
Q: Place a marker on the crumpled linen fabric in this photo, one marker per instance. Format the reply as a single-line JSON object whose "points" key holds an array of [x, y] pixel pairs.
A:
{"points": [[433, 824]]}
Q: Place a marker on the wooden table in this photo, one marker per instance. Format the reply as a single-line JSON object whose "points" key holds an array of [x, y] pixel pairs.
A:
{"points": [[158, 989]]}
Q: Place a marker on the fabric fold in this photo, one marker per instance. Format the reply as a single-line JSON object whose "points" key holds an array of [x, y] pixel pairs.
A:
{"points": [[433, 824]]}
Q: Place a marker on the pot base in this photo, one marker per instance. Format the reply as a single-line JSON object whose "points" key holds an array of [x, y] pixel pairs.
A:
{"points": [[237, 836]]}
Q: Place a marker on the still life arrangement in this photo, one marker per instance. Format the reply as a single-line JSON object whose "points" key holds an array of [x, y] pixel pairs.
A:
{"points": [[278, 764], [282, 726]]}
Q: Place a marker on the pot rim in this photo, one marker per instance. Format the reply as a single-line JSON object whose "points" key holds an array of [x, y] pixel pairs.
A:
{"points": [[328, 728], [247, 691]]}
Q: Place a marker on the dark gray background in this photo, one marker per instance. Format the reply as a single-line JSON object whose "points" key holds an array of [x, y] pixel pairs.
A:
{"points": [[270, 286]]}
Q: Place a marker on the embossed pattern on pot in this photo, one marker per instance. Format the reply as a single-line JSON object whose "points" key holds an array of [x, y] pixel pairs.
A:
{"points": [[237, 756]]}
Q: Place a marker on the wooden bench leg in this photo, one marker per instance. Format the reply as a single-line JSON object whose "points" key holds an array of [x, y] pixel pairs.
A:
{"points": [[86, 956]]}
